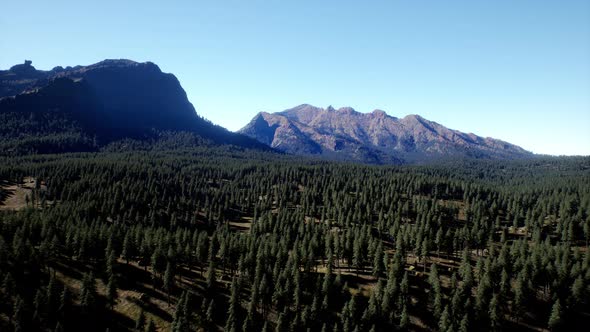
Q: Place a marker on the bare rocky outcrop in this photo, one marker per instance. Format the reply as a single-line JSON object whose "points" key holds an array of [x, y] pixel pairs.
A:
{"points": [[371, 137]]}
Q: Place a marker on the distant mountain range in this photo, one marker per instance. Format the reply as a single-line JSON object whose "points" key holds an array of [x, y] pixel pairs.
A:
{"points": [[84, 108], [124, 103], [371, 137]]}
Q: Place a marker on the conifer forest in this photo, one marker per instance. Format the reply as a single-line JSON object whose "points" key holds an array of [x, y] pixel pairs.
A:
{"points": [[227, 238]]}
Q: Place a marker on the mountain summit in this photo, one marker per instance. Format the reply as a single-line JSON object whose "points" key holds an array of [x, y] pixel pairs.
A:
{"points": [[371, 137]]}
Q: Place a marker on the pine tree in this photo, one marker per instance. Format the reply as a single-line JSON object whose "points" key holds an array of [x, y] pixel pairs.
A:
{"points": [[181, 314], [157, 262], [437, 305], [404, 290], [424, 253], [433, 278], [357, 260], [404, 319], [112, 292], [168, 280], [578, 290], [464, 324], [445, 320], [234, 304], [127, 248], [297, 291], [210, 276], [52, 295], [88, 293], [110, 262], [494, 313], [378, 261], [8, 286], [481, 296], [438, 241], [435, 295], [555, 317], [519, 298], [370, 313]]}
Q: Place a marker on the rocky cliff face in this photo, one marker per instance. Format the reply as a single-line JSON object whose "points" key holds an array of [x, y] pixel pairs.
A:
{"points": [[371, 137], [112, 99]]}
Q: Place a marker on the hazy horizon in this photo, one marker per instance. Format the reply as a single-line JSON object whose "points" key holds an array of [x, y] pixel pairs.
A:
{"points": [[515, 71]]}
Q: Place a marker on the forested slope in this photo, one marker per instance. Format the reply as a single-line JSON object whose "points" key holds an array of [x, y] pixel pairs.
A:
{"points": [[225, 238], [87, 108]]}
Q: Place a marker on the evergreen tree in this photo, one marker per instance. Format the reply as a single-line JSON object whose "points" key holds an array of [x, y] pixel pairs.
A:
{"points": [[234, 304], [110, 262], [180, 322], [495, 313], [112, 292], [555, 317], [464, 324], [404, 319], [578, 290], [378, 261], [445, 320], [168, 280], [88, 293], [52, 294], [211, 276], [127, 251]]}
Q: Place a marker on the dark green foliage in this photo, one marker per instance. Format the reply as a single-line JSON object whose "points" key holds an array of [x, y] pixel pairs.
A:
{"points": [[168, 279], [112, 291], [88, 296], [404, 319], [445, 322], [182, 315], [263, 241], [555, 319]]}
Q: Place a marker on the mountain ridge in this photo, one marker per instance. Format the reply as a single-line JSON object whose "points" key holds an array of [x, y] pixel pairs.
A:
{"points": [[374, 137], [104, 102]]}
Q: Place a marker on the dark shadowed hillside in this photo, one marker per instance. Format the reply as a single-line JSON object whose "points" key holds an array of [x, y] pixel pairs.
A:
{"points": [[85, 107]]}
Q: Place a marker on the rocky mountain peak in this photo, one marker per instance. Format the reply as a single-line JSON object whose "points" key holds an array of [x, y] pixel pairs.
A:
{"points": [[379, 113], [371, 137], [347, 110]]}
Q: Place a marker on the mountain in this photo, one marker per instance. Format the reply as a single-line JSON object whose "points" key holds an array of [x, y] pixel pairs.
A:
{"points": [[371, 137], [84, 108]]}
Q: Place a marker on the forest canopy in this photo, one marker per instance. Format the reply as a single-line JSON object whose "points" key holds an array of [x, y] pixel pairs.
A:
{"points": [[222, 238]]}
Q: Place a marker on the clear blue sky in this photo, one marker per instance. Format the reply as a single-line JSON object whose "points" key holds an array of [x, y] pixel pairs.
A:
{"points": [[518, 70]]}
